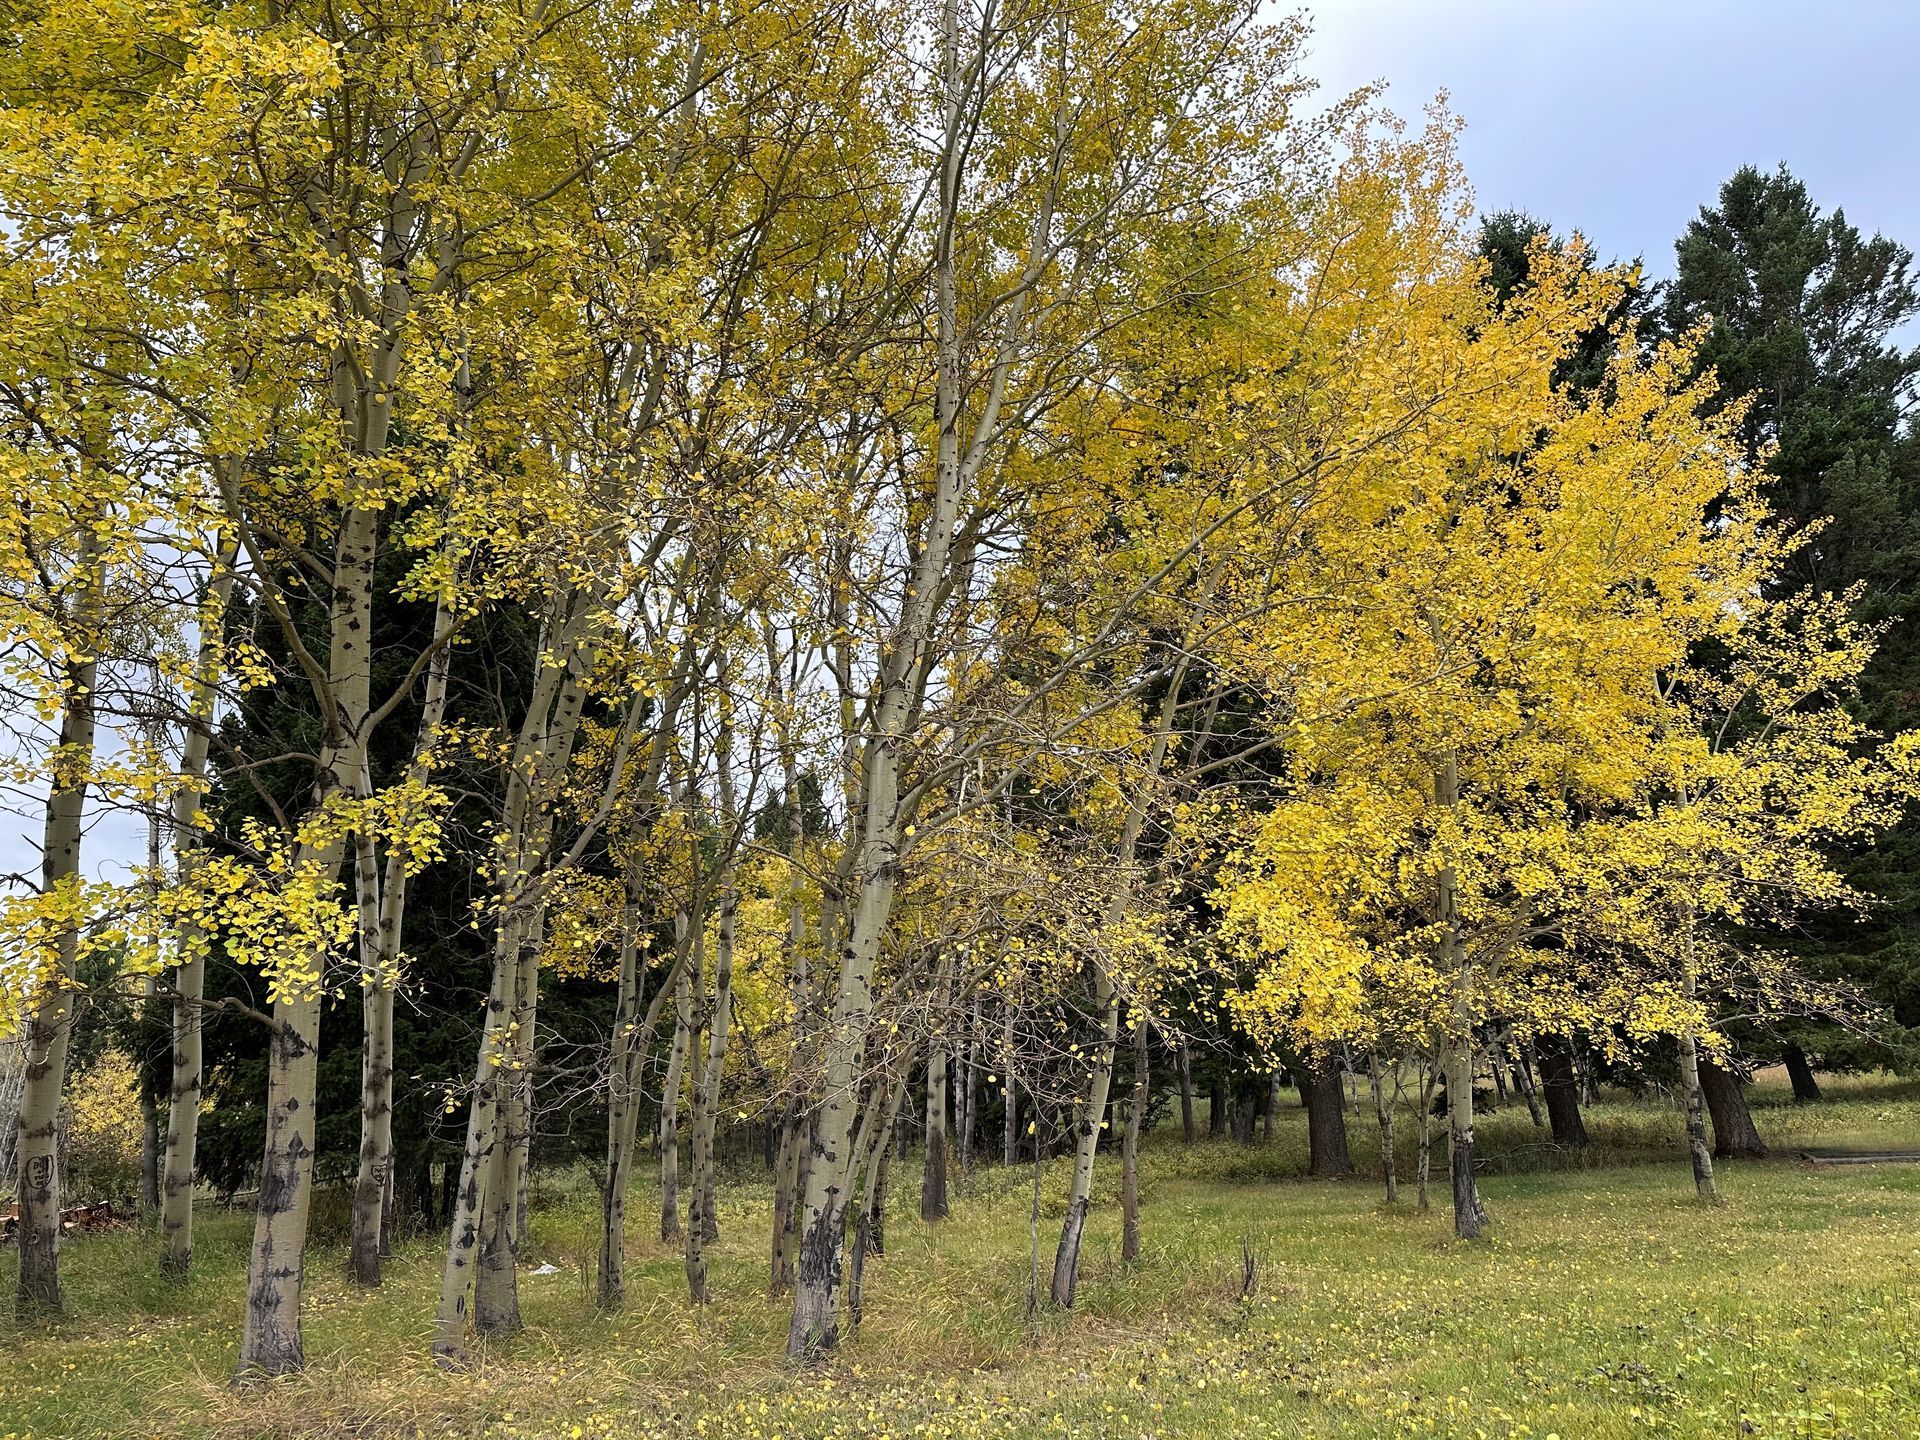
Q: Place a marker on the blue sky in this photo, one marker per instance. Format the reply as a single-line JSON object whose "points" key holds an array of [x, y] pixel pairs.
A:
{"points": [[1620, 119]]}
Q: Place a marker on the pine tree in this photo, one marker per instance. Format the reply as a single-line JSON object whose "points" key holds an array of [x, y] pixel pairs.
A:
{"points": [[1804, 314]]}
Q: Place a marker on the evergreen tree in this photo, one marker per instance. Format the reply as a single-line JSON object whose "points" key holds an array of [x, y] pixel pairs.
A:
{"points": [[1804, 315]]}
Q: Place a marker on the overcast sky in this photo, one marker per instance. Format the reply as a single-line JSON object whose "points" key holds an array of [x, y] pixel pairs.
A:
{"points": [[1620, 118]]}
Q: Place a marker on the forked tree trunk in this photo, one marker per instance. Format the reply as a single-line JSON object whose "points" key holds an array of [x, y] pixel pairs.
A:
{"points": [[1734, 1134], [1130, 1147]]}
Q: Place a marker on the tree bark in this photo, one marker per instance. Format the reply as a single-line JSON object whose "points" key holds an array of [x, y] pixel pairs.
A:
{"points": [[1697, 1148], [1066, 1259], [1562, 1087], [627, 1059], [1429, 1077], [189, 981], [1322, 1096], [476, 1162], [1523, 1082], [1734, 1134], [969, 1102], [667, 1133], [48, 1030], [1130, 1147], [701, 1222], [1383, 1116], [496, 1282], [1010, 1124], [933, 1174], [1184, 1057], [1806, 1089], [1469, 1218], [382, 900]]}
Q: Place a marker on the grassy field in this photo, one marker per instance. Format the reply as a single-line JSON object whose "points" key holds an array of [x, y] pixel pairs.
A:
{"points": [[1604, 1304]]}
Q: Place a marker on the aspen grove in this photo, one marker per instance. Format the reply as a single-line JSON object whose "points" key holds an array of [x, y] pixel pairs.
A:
{"points": [[741, 582]]}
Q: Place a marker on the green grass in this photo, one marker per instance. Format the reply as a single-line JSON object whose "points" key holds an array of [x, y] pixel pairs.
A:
{"points": [[1604, 1304]]}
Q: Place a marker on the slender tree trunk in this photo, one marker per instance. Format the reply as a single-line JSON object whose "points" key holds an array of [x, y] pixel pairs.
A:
{"points": [[189, 980], [1383, 1115], [469, 1198], [632, 1036], [1130, 1147], [1429, 1077], [382, 901], [1468, 1216], [496, 1280], [933, 1175], [706, 1102], [183, 1119], [376, 1133], [149, 1109], [48, 1030], [667, 1136], [870, 1224], [786, 1167], [1523, 1081], [271, 1341], [1066, 1260], [1010, 1128], [970, 1085], [1734, 1133], [1806, 1089], [1698, 1150], [1184, 1057], [1563, 1091], [610, 1284]]}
